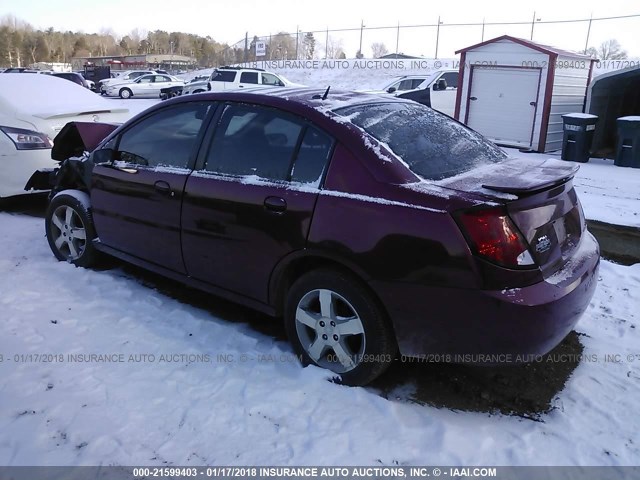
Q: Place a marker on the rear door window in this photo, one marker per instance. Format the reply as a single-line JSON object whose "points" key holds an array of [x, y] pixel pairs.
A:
{"points": [[252, 140], [249, 77]]}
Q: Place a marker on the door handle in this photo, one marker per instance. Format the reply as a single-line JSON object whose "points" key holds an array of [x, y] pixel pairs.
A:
{"points": [[473, 98], [275, 204], [163, 187], [533, 104]]}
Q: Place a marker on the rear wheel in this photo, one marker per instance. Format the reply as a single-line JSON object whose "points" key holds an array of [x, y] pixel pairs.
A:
{"points": [[334, 322], [69, 228], [125, 93]]}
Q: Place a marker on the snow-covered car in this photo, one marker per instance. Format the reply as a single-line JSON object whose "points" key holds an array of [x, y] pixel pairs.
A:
{"points": [[375, 226], [123, 77], [233, 78], [143, 86], [33, 109]]}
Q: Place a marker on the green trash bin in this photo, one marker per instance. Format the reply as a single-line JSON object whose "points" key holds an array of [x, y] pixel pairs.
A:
{"points": [[628, 144], [578, 136]]}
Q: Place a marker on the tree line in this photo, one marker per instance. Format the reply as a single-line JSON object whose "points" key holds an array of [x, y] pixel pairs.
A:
{"points": [[22, 45]]}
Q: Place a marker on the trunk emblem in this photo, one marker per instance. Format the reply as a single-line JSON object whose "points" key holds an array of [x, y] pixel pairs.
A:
{"points": [[543, 244], [96, 118]]}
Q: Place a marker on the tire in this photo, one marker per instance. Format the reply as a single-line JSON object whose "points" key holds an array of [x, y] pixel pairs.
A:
{"points": [[70, 230], [126, 93], [334, 322]]}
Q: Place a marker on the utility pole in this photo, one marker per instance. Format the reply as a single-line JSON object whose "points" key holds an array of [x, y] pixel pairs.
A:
{"points": [[533, 22], [438, 35], [586, 44], [398, 38], [246, 47], [482, 30], [326, 45], [361, 28], [297, 38]]}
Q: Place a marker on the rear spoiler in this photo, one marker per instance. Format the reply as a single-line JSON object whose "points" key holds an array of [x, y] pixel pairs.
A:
{"points": [[513, 178], [75, 138]]}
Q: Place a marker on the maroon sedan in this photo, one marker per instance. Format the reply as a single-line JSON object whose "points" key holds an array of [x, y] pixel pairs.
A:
{"points": [[374, 225]]}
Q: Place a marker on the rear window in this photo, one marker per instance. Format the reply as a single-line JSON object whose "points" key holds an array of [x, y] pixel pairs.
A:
{"points": [[433, 145]]}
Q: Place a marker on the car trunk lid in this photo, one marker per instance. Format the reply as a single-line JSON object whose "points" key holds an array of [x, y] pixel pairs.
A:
{"points": [[540, 200]]}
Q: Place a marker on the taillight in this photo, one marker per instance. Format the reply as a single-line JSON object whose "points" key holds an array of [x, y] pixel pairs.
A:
{"points": [[492, 235], [27, 139]]}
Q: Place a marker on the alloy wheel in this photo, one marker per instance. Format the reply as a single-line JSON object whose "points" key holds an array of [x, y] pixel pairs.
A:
{"points": [[330, 330]]}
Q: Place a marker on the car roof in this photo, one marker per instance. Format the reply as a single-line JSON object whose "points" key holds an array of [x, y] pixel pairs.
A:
{"points": [[307, 97]]}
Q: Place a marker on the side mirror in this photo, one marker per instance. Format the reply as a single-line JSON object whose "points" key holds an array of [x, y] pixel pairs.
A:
{"points": [[440, 85], [104, 155], [391, 89]]}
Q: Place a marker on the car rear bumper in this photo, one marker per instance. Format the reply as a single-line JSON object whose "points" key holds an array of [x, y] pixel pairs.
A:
{"points": [[511, 325]]}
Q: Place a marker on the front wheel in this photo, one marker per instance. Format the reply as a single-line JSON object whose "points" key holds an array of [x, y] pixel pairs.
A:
{"points": [[69, 228], [334, 322], [125, 93]]}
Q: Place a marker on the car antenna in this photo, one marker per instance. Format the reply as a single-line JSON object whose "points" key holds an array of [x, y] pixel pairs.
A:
{"points": [[326, 93]]}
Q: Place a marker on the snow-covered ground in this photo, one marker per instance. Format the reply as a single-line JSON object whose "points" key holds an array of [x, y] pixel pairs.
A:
{"points": [[186, 406]]}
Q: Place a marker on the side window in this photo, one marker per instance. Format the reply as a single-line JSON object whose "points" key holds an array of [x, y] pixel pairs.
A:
{"points": [[270, 79], [254, 141], [451, 78], [415, 83], [224, 76], [405, 85], [147, 79], [249, 77], [161, 78], [312, 158], [167, 138]]}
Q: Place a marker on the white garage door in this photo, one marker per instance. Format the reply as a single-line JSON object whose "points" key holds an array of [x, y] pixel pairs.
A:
{"points": [[502, 104]]}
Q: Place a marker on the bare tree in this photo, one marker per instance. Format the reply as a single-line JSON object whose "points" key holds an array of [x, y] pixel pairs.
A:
{"points": [[334, 48], [379, 49], [608, 50]]}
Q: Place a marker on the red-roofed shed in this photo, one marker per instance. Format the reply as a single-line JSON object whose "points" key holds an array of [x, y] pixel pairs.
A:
{"points": [[515, 91]]}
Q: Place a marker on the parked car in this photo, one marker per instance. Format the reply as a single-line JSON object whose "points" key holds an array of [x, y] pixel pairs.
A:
{"points": [[33, 109], [25, 70], [122, 77], [436, 89], [373, 225], [73, 77], [90, 84], [233, 78], [143, 86]]}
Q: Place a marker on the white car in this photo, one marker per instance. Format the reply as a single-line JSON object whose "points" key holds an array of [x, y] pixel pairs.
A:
{"points": [[232, 78], [143, 86], [33, 109], [122, 77], [442, 86]]}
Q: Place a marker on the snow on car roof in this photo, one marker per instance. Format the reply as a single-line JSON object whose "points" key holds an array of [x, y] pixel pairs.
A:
{"points": [[46, 96]]}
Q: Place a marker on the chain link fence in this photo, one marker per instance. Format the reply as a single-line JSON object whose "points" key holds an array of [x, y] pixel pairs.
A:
{"points": [[424, 40]]}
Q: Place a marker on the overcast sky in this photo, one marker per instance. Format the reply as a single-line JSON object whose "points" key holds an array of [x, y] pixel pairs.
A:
{"points": [[228, 20]]}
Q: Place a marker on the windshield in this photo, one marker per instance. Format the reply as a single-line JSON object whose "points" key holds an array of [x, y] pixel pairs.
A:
{"points": [[433, 145]]}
